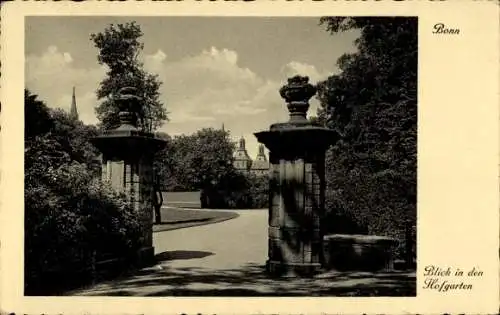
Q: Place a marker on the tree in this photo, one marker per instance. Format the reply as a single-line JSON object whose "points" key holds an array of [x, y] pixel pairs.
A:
{"points": [[76, 136], [164, 165], [36, 116], [119, 49], [204, 161], [212, 157], [199, 160], [371, 172]]}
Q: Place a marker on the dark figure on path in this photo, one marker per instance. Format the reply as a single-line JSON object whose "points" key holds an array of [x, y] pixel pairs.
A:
{"points": [[157, 202]]}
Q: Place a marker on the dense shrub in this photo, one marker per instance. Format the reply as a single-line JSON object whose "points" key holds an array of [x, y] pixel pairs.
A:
{"points": [[71, 221], [372, 102], [237, 191], [259, 191], [360, 200]]}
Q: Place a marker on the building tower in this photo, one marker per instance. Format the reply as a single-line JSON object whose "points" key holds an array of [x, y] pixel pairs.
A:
{"points": [[260, 167], [242, 161], [73, 113]]}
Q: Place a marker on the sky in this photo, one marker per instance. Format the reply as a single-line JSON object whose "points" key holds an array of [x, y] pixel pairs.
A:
{"points": [[215, 70]]}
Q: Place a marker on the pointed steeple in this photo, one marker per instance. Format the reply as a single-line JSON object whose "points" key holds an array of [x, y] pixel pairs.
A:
{"points": [[242, 160], [242, 144], [261, 151], [223, 127], [73, 111], [260, 166]]}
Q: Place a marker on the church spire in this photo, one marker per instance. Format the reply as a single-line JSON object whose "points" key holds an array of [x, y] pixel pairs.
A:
{"points": [[261, 150], [242, 143], [73, 111]]}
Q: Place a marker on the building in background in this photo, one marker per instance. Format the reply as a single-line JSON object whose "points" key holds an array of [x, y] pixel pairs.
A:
{"points": [[243, 162], [260, 167]]}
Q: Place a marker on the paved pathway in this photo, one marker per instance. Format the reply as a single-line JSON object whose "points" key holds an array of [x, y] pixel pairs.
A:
{"points": [[232, 244], [227, 259]]}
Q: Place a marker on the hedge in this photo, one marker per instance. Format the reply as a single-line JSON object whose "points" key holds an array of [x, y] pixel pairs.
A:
{"points": [[72, 221], [243, 192]]}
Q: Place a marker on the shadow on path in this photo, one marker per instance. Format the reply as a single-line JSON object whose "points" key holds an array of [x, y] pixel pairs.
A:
{"points": [[181, 254], [252, 280], [173, 218]]}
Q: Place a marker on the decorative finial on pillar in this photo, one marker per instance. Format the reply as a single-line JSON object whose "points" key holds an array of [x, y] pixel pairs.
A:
{"points": [[297, 94], [128, 104]]}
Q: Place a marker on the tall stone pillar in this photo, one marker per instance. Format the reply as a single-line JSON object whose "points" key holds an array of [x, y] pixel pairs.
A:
{"points": [[127, 163], [297, 184]]}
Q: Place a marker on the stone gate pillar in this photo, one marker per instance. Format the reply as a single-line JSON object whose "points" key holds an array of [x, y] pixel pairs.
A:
{"points": [[297, 184], [127, 163]]}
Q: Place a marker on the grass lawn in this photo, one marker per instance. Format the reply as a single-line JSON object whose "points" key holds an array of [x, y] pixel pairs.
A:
{"points": [[182, 199], [173, 218]]}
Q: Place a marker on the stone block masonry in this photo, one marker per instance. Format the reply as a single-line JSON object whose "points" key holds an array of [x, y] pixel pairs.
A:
{"points": [[297, 185], [127, 163]]}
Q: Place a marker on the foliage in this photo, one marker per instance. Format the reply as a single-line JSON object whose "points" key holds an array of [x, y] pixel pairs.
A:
{"points": [[77, 136], [238, 191], [230, 192], [371, 172], [163, 164], [204, 161], [258, 191], [36, 116], [71, 218], [193, 162], [52, 137], [119, 49]]}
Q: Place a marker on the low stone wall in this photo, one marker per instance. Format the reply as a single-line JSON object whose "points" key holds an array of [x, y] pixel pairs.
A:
{"points": [[358, 252]]}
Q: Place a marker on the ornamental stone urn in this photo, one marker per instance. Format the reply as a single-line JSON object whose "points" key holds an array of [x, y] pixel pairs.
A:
{"points": [[296, 185], [127, 163]]}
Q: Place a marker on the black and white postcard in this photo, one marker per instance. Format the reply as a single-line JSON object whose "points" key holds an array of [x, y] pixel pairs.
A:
{"points": [[243, 157]]}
